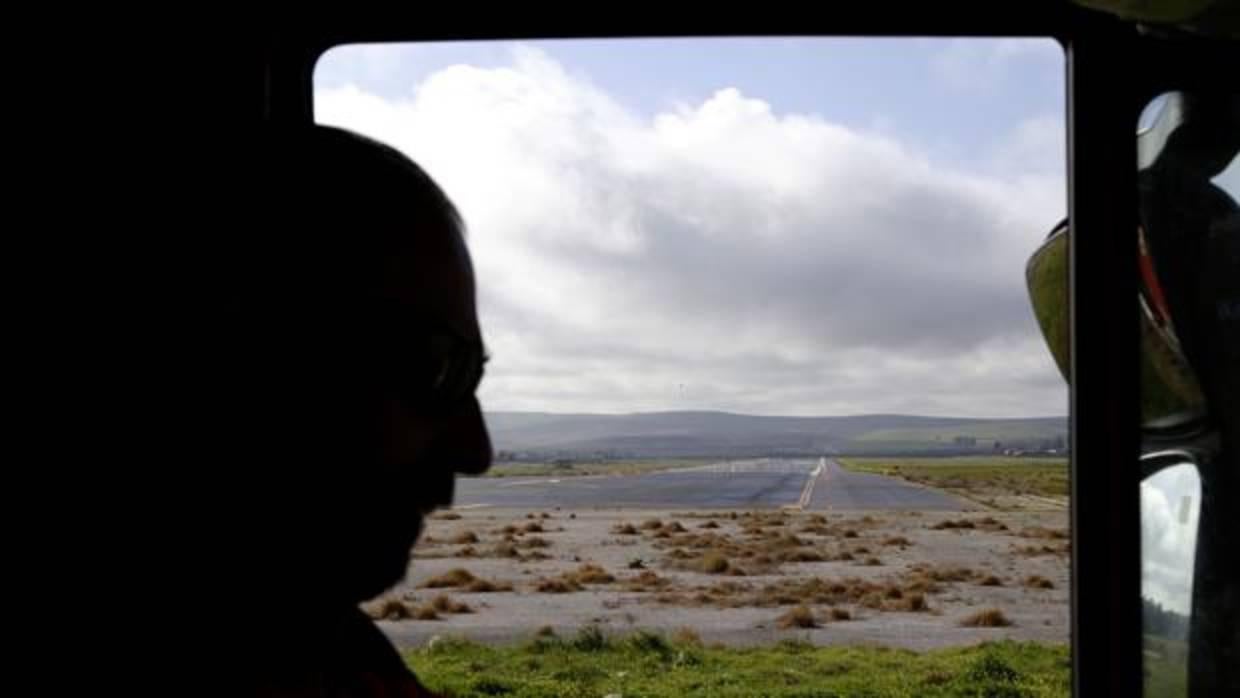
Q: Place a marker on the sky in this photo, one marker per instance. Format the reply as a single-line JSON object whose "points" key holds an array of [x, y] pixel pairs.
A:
{"points": [[796, 227], [1170, 509]]}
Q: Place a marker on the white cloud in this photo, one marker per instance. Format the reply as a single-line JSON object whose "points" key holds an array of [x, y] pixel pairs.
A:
{"points": [[723, 254], [1170, 506]]}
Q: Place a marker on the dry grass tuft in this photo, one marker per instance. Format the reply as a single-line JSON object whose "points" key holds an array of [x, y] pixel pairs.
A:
{"points": [[796, 555], [446, 604], [646, 581], [389, 609], [987, 618], [915, 601], [506, 549], [483, 586], [556, 585], [1041, 532], [943, 573], [950, 524], [990, 523], [714, 563], [457, 577], [797, 617], [590, 573], [1036, 550], [425, 613]]}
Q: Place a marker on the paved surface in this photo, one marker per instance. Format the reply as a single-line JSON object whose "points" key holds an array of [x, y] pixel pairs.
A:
{"points": [[750, 484], [838, 488], [764, 483]]}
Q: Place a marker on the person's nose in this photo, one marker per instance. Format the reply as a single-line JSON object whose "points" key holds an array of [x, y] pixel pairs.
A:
{"points": [[470, 441]]}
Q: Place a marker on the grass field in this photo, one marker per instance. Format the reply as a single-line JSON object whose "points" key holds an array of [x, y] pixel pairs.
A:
{"points": [[982, 478], [618, 467], [1165, 667], [650, 665], [986, 434]]}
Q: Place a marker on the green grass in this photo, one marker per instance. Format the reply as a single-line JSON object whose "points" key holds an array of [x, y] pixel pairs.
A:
{"points": [[1165, 667], [649, 665], [975, 477], [625, 467], [986, 434]]}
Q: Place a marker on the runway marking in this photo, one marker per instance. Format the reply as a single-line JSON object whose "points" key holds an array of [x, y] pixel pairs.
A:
{"points": [[470, 506], [552, 481], [808, 491]]}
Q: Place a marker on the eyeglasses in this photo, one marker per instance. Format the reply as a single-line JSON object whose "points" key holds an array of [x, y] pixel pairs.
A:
{"points": [[436, 371], [378, 346]]}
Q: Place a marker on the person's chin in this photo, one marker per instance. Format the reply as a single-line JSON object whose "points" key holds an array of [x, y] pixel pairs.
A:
{"points": [[385, 560], [401, 547]]}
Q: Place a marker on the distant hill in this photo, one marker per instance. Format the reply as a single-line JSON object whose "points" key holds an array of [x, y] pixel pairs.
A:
{"points": [[724, 434]]}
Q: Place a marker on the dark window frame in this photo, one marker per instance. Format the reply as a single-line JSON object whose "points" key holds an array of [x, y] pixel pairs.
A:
{"points": [[1112, 72]]}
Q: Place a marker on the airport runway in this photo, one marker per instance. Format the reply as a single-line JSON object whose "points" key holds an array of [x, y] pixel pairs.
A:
{"points": [[842, 489], [752, 484], [756, 484]]}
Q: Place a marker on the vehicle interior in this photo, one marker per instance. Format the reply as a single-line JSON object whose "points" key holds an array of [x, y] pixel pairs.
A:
{"points": [[1131, 416]]}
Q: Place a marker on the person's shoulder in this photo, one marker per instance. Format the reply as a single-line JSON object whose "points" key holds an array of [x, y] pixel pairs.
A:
{"points": [[381, 671]]}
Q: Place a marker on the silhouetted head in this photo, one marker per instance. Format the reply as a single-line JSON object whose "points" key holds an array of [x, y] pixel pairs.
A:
{"points": [[354, 350]]}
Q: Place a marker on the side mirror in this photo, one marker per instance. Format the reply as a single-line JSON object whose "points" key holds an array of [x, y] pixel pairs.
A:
{"points": [[1046, 275], [1170, 393]]}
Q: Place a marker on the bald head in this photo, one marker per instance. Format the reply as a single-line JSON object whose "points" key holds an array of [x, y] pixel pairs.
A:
{"points": [[333, 205], [353, 281]]}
